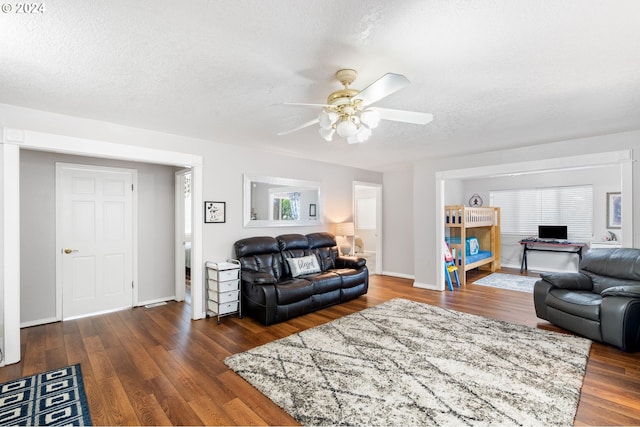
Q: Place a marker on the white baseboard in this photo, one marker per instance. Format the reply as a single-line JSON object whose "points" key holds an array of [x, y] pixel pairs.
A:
{"points": [[154, 301], [510, 266], [427, 286], [38, 322], [537, 270], [401, 275]]}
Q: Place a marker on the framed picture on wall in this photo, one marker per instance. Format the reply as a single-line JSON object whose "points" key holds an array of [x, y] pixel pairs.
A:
{"points": [[614, 210], [312, 210], [215, 212]]}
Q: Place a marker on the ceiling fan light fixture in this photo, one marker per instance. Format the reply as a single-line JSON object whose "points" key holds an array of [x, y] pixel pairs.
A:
{"points": [[346, 128], [348, 112], [327, 119], [363, 133], [327, 134], [371, 118]]}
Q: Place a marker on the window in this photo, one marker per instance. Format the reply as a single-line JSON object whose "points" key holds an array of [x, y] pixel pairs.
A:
{"points": [[522, 210], [281, 208]]}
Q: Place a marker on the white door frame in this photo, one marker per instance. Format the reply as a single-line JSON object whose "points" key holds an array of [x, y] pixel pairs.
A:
{"points": [[134, 232], [15, 139], [378, 188], [179, 233]]}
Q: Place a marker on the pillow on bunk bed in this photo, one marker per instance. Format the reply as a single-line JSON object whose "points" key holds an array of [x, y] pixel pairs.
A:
{"points": [[473, 246]]}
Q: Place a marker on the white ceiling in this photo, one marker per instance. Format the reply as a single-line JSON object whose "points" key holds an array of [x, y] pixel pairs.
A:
{"points": [[495, 74]]}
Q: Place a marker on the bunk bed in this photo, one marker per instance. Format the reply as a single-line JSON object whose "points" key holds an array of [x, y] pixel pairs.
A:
{"points": [[473, 234]]}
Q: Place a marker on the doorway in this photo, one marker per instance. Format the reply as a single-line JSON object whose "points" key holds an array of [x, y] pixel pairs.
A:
{"points": [[16, 140], [367, 215]]}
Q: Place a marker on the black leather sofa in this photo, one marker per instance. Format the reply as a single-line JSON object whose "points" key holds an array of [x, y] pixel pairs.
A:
{"points": [[601, 301], [271, 293]]}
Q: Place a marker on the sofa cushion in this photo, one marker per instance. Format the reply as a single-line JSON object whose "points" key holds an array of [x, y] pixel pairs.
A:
{"points": [[323, 245], [264, 263], [321, 240], [325, 282], [622, 291], [260, 254], [578, 303], [351, 277], [294, 290], [601, 283], [303, 265], [569, 280], [326, 257], [256, 245], [293, 245], [622, 263]]}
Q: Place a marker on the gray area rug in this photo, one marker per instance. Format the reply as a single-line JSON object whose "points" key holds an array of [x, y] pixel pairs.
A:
{"points": [[508, 281], [407, 363]]}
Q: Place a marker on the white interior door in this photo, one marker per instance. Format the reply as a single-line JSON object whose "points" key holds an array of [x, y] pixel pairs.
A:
{"points": [[94, 232]]}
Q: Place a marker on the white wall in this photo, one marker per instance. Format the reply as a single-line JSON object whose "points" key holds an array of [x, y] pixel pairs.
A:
{"points": [[37, 229], [425, 250], [398, 217]]}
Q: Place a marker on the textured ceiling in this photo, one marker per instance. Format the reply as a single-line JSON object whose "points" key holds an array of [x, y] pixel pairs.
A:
{"points": [[495, 74]]}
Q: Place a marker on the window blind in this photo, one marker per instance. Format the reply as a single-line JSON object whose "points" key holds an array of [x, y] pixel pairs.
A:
{"points": [[522, 210]]}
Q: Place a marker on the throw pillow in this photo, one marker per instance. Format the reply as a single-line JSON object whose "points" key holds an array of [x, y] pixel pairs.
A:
{"points": [[473, 246], [303, 265]]}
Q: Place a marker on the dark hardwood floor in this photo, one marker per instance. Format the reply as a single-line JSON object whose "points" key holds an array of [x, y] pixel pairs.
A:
{"points": [[157, 367]]}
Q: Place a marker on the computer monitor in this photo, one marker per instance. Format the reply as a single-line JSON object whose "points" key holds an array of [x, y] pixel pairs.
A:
{"points": [[552, 232]]}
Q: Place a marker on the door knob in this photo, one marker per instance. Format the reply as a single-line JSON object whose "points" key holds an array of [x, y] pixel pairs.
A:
{"points": [[68, 250]]}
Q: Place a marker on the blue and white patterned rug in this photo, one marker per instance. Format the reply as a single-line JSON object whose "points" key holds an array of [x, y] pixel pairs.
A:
{"points": [[508, 281], [48, 399]]}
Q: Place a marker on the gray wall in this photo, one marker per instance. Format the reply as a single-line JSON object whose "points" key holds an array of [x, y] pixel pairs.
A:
{"points": [[397, 218], [38, 231]]}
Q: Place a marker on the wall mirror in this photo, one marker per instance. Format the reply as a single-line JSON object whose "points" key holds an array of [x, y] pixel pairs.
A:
{"points": [[279, 202]]}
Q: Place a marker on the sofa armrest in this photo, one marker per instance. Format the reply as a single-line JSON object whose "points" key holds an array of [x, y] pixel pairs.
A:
{"points": [[258, 277], [573, 281], [622, 291], [350, 262]]}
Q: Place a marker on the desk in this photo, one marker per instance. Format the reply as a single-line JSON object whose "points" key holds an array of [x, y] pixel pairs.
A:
{"points": [[549, 246]]}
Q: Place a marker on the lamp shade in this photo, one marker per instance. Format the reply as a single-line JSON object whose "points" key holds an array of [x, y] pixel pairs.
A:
{"points": [[345, 229]]}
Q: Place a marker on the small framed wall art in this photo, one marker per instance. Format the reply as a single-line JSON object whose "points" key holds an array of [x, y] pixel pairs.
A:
{"points": [[312, 210], [215, 212], [614, 210]]}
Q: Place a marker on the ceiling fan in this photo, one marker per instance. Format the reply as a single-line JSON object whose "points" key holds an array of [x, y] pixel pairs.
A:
{"points": [[348, 112]]}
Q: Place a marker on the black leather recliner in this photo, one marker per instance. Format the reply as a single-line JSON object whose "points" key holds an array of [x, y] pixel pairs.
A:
{"points": [[270, 293], [600, 302]]}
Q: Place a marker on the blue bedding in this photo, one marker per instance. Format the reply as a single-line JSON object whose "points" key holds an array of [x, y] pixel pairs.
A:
{"points": [[474, 258]]}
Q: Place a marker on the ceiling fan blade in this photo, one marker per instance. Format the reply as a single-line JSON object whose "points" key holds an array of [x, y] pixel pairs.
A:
{"points": [[302, 126], [302, 104], [404, 116], [384, 86]]}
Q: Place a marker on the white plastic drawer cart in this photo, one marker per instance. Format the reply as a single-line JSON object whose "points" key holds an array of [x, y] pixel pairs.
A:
{"points": [[223, 289]]}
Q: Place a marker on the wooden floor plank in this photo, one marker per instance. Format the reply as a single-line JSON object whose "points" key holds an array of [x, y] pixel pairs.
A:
{"points": [[154, 366]]}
